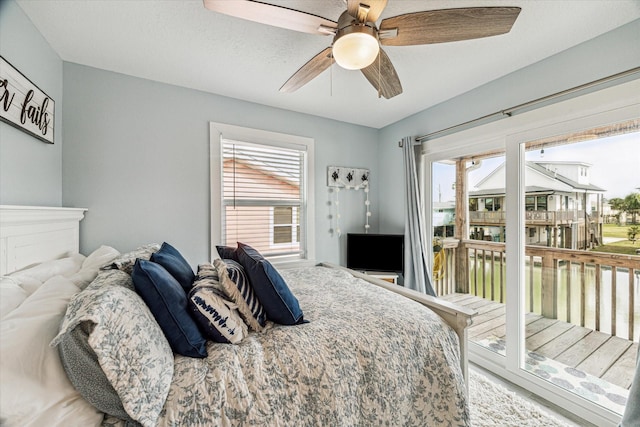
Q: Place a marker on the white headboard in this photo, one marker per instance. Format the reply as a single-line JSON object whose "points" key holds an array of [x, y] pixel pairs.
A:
{"points": [[32, 234]]}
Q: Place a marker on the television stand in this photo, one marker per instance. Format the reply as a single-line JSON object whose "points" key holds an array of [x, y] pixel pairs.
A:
{"points": [[386, 276]]}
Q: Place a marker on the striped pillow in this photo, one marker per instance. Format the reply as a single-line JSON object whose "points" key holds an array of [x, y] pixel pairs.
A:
{"points": [[236, 286]]}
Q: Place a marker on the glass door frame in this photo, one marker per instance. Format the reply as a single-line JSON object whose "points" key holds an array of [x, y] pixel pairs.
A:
{"points": [[606, 106]]}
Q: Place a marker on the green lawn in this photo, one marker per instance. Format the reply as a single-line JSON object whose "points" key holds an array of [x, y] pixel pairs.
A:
{"points": [[622, 247], [614, 230]]}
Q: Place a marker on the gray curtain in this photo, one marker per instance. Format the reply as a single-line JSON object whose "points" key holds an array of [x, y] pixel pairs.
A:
{"points": [[416, 268]]}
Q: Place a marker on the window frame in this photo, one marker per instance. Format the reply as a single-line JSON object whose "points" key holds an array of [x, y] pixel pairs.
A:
{"points": [[218, 131]]}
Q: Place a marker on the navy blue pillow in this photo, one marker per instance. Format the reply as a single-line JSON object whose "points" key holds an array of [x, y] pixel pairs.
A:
{"points": [[272, 291], [167, 301], [174, 263], [227, 252]]}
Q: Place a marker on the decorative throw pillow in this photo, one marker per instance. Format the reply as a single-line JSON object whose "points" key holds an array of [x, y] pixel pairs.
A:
{"points": [[235, 283], [128, 343], [174, 263], [207, 271], [277, 299], [227, 252], [126, 261], [168, 303], [216, 315], [35, 390]]}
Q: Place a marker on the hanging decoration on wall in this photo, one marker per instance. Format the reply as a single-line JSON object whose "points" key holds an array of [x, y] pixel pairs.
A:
{"points": [[339, 177], [23, 105]]}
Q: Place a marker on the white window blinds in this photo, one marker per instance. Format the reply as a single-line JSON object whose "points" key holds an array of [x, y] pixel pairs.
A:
{"points": [[263, 198]]}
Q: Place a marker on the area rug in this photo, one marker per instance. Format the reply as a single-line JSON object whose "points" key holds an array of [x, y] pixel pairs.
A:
{"points": [[492, 405], [581, 383]]}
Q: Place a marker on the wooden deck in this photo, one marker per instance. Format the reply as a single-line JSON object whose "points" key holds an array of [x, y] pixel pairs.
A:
{"points": [[610, 358]]}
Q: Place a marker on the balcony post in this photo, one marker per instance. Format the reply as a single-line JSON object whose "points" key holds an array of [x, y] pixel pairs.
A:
{"points": [[549, 301], [462, 228]]}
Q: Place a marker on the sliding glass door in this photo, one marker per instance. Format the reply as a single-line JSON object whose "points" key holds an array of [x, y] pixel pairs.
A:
{"points": [[469, 241], [581, 270], [533, 226]]}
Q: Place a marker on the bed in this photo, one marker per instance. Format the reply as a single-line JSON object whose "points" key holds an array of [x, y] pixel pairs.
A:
{"points": [[367, 353]]}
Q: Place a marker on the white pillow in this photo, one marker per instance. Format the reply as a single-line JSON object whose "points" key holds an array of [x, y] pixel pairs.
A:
{"points": [[91, 265], [35, 390], [11, 296], [31, 278], [100, 257]]}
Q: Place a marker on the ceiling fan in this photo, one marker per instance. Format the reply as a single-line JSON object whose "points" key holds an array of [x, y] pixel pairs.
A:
{"points": [[357, 39]]}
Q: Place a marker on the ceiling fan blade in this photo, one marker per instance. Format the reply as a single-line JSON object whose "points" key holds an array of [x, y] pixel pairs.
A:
{"points": [[375, 9], [308, 71], [447, 25], [276, 16], [383, 76]]}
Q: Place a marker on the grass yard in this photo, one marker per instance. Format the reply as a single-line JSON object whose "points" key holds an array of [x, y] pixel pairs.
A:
{"points": [[614, 230], [621, 247]]}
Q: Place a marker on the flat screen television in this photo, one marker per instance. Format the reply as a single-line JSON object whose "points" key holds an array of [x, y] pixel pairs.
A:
{"points": [[375, 252]]}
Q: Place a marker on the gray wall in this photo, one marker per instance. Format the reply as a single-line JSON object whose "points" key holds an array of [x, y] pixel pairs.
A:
{"points": [[136, 154], [608, 54], [30, 170]]}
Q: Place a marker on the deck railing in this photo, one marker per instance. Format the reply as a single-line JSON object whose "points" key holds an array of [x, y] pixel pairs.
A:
{"points": [[590, 289], [532, 217]]}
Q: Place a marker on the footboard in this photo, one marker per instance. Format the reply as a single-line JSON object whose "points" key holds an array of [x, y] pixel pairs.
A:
{"points": [[459, 318]]}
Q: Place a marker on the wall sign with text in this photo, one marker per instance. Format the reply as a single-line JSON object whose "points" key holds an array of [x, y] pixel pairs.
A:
{"points": [[24, 105]]}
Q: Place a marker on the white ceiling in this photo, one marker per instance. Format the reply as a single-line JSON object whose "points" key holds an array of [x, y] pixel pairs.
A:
{"points": [[182, 43]]}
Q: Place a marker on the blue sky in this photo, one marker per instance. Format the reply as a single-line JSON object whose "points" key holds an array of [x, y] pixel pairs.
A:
{"points": [[615, 165]]}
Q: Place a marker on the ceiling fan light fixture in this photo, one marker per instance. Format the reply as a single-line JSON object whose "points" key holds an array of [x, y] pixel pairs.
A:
{"points": [[356, 46]]}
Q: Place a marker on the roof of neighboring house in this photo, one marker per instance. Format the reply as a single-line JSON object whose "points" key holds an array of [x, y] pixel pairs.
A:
{"points": [[536, 166], [531, 189], [576, 185]]}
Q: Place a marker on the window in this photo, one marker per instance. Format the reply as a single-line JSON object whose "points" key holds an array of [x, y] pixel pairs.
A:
{"points": [[286, 225], [541, 202], [488, 203], [529, 203], [262, 191], [491, 204]]}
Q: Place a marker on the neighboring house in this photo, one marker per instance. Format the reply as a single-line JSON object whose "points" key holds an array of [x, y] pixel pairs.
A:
{"points": [[444, 217], [261, 208], [563, 208], [613, 216]]}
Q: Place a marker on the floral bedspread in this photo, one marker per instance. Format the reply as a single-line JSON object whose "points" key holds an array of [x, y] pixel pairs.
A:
{"points": [[367, 357]]}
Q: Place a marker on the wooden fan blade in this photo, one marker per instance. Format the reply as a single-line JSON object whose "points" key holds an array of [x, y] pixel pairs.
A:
{"points": [[375, 9], [448, 25], [276, 16], [383, 76], [308, 71]]}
